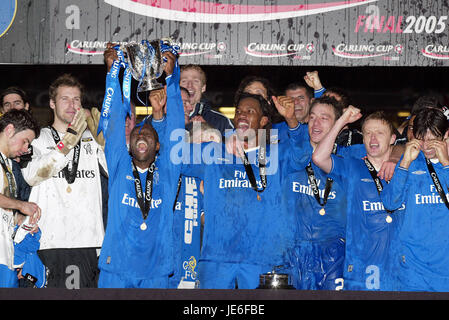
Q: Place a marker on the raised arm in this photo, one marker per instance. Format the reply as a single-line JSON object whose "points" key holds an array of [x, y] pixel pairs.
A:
{"points": [[313, 80], [113, 114], [299, 146], [322, 154], [174, 109], [46, 163]]}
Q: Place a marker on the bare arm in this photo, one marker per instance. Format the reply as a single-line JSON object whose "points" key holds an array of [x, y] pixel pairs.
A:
{"points": [[27, 208], [158, 100], [322, 154]]}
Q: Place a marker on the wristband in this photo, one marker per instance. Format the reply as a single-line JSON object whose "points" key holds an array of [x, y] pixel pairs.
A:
{"points": [[70, 130]]}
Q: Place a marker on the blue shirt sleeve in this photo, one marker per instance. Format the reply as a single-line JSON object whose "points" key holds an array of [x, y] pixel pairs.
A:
{"points": [[340, 167], [394, 193], [318, 93], [115, 138], [357, 151], [300, 150]]}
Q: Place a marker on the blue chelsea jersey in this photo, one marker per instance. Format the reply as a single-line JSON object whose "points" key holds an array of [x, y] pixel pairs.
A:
{"points": [[370, 232], [300, 199], [312, 223], [240, 226], [423, 246], [129, 249]]}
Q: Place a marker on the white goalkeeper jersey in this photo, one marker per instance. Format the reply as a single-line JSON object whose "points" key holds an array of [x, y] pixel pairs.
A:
{"points": [[71, 213], [6, 223]]}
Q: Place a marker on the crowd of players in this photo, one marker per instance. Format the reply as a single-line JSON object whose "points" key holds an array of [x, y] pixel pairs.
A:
{"points": [[187, 198]]}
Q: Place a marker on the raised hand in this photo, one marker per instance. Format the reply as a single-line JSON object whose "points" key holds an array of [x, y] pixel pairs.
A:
{"points": [[93, 119], [313, 80], [158, 100], [110, 55], [286, 108], [441, 150], [170, 62], [74, 132], [234, 145], [411, 152], [351, 114]]}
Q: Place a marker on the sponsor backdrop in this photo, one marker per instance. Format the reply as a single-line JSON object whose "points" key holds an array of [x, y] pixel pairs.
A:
{"points": [[231, 32]]}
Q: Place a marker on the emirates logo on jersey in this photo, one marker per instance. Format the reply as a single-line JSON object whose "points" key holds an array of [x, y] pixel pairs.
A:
{"points": [[80, 174]]}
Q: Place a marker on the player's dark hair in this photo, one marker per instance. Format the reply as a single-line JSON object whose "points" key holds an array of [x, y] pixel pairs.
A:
{"points": [[21, 120], [298, 85], [430, 119], [265, 107], [14, 90], [331, 101], [425, 102], [246, 81], [341, 93]]}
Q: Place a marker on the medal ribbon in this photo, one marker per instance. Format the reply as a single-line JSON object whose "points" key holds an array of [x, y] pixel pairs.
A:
{"points": [[126, 82], [112, 90], [144, 200], [436, 182], [314, 186], [262, 170], [375, 178]]}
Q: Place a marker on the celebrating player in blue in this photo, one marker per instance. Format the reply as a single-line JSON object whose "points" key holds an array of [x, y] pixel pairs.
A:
{"points": [[370, 230], [245, 230], [420, 183], [137, 249], [317, 259]]}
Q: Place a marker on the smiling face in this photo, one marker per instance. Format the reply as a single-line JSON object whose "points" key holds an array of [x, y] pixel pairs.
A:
{"points": [[249, 118], [143, 145], [67, 100], [13, 101], [194, 82], [321, 121], [302, 103], [377, 137]]}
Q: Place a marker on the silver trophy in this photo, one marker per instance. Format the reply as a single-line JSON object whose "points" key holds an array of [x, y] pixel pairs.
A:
{"points": [[146, 63], [274, 280]]}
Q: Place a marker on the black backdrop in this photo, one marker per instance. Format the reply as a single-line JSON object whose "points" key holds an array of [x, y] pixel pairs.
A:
{"points": [[391, 89]]}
